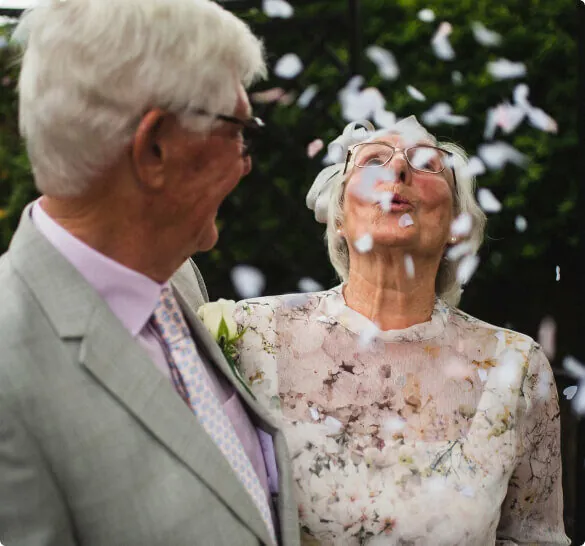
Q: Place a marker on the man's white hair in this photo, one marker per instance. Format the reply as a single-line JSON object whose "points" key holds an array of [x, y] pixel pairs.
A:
{"points": [[446, 285], [92, 68]]}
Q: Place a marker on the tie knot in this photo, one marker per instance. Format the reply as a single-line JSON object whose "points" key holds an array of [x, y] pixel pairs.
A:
{"points": [[168, 317]]}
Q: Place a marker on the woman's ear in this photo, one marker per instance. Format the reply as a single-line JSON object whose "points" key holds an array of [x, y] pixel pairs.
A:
{"points": [[148, 152]]}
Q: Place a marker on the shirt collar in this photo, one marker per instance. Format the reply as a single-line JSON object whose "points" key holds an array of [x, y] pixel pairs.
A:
{"points": [[131, 296]]}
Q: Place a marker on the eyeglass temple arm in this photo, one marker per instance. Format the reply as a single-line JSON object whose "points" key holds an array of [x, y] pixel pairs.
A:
{"points": [[347, 158]]}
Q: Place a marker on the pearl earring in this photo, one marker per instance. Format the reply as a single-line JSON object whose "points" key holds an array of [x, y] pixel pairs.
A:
{"points": [[453, 240]]}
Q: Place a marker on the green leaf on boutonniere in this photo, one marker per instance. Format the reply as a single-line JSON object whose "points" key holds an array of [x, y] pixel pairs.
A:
{"points": [[229, 352]]}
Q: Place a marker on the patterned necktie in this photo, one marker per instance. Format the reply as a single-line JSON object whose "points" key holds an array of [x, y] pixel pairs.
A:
{"points": [[190, 381]]}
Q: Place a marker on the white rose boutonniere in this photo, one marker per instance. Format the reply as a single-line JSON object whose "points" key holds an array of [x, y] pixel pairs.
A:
{"points": [[218, 318]]}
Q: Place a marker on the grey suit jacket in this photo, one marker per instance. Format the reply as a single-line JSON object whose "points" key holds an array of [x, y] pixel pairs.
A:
{"points": [[96, 448]]}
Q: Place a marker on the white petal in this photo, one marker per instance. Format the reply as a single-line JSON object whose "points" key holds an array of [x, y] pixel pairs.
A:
{"points": [[491, 124], [547, 335], [368, 334], [306, 284], [484, 36], [483, 375], [394, 424], [405, 220], [314, 413], [426, 15], [409, 266], [385, 200], [457, 77], [558, 273], [468, 491], [248, 281], [385, 62], [474, 167], [212, 317], [574, 367], [440, 42], [509, 117], [570, 392], [503, 69], [462, 225], [436, 114], [307, 96], [384, 119], [333, 425], [456, 120], [422, 156], [268, 96], [466, 268], [521, 224], [521, 92], [415, 93], [277, 8], [364, 243], [579, 401], [288, 66], [314, 147], [496, 154], [541, 120], [488, 201], [459, 250]]}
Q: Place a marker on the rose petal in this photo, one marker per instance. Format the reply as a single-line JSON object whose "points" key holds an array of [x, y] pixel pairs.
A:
{"points": [[484, 36], [288, 66], [409, 266], [521, 224], [364, 243], [488, 201], [461, 226], [570, 392], [415, 93], [307, 96], [496, 154], [547, 336], [277, 8], [315, 147], [503, 69], [466, 268], [385, 62], [405, 220], [248, 281], [306, 284]]}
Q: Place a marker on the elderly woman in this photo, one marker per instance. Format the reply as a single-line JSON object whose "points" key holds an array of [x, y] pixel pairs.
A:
{"points": [[409, 421]]}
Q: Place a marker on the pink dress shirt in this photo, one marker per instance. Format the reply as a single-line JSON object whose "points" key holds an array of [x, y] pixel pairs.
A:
{"points": [[132, 297]]}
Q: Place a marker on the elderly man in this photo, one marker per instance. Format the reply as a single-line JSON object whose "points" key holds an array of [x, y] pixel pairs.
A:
{"points": [[120, 421]]}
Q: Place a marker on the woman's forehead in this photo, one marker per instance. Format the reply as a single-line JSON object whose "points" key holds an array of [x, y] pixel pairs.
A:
{"points": [[403, 140]]}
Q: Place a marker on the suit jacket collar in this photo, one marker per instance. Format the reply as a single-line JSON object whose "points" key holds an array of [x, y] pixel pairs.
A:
{"points": [[114, 358]]}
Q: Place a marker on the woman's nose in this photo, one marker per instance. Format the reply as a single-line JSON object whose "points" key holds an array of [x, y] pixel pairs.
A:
{"points": [[401, 167]]}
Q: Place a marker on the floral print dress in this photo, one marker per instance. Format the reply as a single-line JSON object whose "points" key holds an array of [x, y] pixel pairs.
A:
{"points": [[445, 433]]}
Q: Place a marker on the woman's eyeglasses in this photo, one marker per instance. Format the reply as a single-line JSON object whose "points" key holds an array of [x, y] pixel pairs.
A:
{"points": [[422, 157]]}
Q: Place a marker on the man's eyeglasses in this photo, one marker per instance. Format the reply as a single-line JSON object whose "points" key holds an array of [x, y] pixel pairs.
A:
{"points": [[250, 127], [422, 157]]}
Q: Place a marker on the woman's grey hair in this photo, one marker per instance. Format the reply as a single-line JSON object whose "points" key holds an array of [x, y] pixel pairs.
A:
{"points": [[446, 285], [92, 68]]}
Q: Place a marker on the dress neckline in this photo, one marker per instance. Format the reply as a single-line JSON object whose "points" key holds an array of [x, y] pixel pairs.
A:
{"points": [[335, 309]]}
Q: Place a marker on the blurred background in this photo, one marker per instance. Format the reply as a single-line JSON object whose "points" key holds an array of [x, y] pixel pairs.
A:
{"points": [[477, 72]]}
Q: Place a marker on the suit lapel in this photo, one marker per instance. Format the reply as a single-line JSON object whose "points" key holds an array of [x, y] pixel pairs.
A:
{"points": [[123, 368]]}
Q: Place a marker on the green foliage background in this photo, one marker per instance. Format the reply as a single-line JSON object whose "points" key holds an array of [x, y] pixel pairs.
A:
{"points": [[265, 222]]}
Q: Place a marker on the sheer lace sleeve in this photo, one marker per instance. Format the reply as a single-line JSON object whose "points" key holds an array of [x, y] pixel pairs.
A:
{"points": [[532, 512]]}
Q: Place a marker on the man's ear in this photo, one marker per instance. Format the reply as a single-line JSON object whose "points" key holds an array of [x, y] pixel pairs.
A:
{"points": [[148, 152]]}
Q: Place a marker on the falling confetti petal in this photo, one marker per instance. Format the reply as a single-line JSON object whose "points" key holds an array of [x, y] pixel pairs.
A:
{"points": [[461, 226], [270, 95], [547, 335], [457, 77], [570, 392], [468, 491], [460, 250], [277, 8], [306, 284], [503, 69], [307, 96], [521, 224], [384, 119], [415, 93], [366, 189], [574, 367], [484, 36], [558, 273], [314, 414], [521, 92], [288, 66], [441, 113], [385, 62], [496, 154], [368, 334], [315, 147], [405, 220], [488, 201], [333, 425], [541, 120], [385, 200], [467, 268], [483, 375], [248, 281], [364, 243], [440, 42], [426, 15], [474, 167], [394, 424], [358, 105], [409, 266]]}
